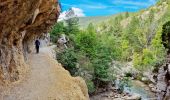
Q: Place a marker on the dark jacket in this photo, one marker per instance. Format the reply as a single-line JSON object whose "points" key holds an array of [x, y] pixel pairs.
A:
{"points": [[37, 43]]}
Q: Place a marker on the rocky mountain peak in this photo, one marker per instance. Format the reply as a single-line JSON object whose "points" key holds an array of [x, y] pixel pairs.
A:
{"points": [[71, 13]]}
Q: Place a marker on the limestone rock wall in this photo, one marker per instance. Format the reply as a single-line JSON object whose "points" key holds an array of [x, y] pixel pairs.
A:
{"points": [[163, 81], [21, 21]]}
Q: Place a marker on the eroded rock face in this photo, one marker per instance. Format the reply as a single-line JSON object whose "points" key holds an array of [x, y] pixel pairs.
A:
{"points": [[163, 83], [20, 22]]}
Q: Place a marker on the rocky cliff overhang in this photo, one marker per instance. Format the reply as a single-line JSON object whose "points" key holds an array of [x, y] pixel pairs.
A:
{"points": [[21, 21]]}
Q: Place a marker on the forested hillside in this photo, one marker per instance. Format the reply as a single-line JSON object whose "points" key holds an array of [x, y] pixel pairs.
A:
{"points": [[85, 21], [138, 35], [93, 52]]}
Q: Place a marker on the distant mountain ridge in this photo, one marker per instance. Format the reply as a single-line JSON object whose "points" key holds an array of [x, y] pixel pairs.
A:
{"points": [[85, 21]]}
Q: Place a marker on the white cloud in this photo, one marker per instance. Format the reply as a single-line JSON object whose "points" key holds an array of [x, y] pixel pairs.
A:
{"points": [[96, 6], [152, 1], [131, 7], [72, 12], [79, 12], [133, 3], [89, 5]]}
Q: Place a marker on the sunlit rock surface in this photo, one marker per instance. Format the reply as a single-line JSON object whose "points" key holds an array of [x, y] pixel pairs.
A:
{"points": [[21, 21]]}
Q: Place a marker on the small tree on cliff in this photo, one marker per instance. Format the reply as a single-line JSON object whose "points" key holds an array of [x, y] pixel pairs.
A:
{"points": [[56, 31], [101, 66], [86, 41], [72, 26]]}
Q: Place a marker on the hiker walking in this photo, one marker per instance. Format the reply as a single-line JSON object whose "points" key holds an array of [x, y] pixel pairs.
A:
{"points": [[37, 45]]}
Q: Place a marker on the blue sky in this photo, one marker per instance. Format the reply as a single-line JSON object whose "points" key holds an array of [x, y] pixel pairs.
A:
{"points": [[106, 7]]}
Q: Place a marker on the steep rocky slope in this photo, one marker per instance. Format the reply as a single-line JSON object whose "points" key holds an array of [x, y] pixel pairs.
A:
{"points": [[163, 82], [20, 22]]}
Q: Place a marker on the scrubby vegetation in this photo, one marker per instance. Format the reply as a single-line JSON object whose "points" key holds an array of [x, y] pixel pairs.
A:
{"points": [[87, 52], [127, 37]]}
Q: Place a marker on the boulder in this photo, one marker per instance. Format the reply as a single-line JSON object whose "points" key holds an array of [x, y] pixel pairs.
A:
{"points": [[169, 68], [154, 89], [150, 76], [167, 96], [133, 97], [151, 86], [145, 79]]}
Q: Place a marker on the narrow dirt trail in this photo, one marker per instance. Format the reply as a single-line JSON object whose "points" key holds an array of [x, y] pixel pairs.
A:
{"points": [[47, 81]]}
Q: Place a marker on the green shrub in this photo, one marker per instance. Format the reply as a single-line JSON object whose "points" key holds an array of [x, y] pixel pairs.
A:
{"points": [[86, 41], [91, 86], [142, 62], [101, 64], [68, 59]]}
